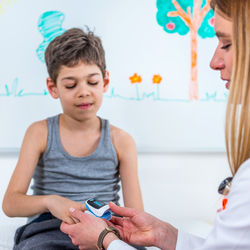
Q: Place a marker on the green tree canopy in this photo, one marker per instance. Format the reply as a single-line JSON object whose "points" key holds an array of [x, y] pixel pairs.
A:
{"points": [[177, 24]]}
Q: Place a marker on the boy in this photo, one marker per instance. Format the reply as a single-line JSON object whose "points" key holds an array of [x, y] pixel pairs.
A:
{"points": [[72, 156]]}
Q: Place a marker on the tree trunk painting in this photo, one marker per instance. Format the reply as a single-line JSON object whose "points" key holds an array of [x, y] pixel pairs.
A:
{"points": [[193, 19], [193, 85]]}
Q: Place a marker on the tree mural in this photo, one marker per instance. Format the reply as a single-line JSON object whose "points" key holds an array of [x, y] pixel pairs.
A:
{"points": [[182, 16]]}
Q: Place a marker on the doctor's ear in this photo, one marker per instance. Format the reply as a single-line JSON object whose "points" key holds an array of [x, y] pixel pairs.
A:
{"points": [[52, 88], [106, 81]]}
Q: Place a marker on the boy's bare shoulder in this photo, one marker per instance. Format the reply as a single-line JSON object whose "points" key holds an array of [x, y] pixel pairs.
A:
{"points": [[38, 127], [120, 137], [38, 132]]}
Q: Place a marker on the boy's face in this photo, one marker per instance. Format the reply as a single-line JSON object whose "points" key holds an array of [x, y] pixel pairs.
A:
{"points": [[80, 89]]}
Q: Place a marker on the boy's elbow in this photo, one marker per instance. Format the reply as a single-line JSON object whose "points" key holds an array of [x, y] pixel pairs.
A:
{"points": [[6, 207]]}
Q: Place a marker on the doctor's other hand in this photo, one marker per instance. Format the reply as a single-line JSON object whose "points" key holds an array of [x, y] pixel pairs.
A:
{"points": [[85, 233], [140, 228]]}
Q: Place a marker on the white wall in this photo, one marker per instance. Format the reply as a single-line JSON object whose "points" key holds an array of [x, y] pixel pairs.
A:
{"points": [[180, 188]]}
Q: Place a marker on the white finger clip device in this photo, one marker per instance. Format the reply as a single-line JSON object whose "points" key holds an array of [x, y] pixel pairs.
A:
{"points": [[98, 209]]}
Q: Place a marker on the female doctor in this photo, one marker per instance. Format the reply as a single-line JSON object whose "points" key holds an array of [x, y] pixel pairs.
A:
{"points": [[232, 226]]}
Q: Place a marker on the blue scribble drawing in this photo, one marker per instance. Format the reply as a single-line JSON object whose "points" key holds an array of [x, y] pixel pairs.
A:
{"points": [[50, 26], [16, 92], [213, 97], [154, 96]]}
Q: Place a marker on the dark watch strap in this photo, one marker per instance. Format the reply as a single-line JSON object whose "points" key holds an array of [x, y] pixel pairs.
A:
{"points": [[104, 233]]}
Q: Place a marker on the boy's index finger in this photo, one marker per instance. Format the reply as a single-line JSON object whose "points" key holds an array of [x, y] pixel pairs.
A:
{"points": [[83, 208], [76, 213], [75, 220]]}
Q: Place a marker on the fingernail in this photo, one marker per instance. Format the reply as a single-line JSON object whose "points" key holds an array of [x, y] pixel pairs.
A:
{"points": [[71, 209]]}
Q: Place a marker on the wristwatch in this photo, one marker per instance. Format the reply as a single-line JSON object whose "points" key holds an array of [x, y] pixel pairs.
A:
{"points": [[104, 233]]}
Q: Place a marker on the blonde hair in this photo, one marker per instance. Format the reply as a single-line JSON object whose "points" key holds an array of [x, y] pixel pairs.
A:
{"points": [[238, 107]]}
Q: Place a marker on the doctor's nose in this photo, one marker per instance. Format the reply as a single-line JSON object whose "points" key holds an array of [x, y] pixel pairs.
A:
{"points": [[217, 62]]}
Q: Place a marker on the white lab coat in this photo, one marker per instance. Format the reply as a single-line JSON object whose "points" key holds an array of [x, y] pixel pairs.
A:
{"points": [[232, 226]]}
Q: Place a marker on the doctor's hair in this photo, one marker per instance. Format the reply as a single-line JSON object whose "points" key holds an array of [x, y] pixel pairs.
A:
{"points": [[72, 47], [238, 107]]}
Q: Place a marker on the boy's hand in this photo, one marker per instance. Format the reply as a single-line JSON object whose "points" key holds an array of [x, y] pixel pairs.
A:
{"points": [[59, 207]]}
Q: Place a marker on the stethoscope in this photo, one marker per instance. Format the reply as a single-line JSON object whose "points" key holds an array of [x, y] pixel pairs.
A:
{"points": [[225, 186], [224, 189]]}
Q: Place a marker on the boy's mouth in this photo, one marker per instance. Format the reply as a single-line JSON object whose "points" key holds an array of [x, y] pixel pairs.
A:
{"points": [[84, 105]]}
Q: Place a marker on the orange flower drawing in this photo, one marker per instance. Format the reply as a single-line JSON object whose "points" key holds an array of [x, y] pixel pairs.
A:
{"points": [[135, 78], [157, 79]]}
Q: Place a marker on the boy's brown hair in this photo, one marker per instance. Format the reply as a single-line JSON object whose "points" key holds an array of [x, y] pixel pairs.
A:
{"points": [[70, 48]]}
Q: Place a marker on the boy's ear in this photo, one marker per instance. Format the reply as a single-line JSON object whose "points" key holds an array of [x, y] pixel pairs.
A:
{"points": [[106, 81], [52, 88]]}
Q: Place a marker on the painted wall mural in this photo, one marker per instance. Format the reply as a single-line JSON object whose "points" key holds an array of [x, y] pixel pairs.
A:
{"points": [[182, 17], [155, 91]]}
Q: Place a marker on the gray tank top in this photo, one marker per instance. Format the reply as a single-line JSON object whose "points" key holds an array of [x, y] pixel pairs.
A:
{"points": [[78, 178]]}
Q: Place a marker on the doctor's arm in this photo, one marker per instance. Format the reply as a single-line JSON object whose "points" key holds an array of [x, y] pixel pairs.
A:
{"points": [[231, 230]]}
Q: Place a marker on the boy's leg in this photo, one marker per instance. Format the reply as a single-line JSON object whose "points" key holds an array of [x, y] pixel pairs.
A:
{"points": [[139, 247], [42, 235]]}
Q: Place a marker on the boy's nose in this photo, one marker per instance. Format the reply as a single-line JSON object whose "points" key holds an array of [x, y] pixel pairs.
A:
{"points": [[83, 91]]}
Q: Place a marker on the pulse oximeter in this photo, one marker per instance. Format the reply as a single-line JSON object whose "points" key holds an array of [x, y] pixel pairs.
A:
{"points": [[98, 209]]}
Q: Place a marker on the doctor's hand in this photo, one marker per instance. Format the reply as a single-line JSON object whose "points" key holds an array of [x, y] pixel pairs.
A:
{"points": [[140, 228], [85, 233]]}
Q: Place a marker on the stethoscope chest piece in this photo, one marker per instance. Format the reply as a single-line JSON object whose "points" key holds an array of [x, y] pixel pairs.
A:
{"points": [[225, 185]]}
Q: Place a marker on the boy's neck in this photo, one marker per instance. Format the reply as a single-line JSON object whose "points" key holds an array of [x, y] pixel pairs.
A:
{"points": [[72, 124]]}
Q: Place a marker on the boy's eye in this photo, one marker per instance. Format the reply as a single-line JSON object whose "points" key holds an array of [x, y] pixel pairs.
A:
{"points": [[92, 83], [227, 46], [70, 86]]}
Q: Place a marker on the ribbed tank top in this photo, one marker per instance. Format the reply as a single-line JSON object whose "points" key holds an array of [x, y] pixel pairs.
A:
{"points": [[78, 178]]}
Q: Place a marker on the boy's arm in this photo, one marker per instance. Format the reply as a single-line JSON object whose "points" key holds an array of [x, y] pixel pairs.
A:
{"points": [[16, 202], [127, 157]]}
